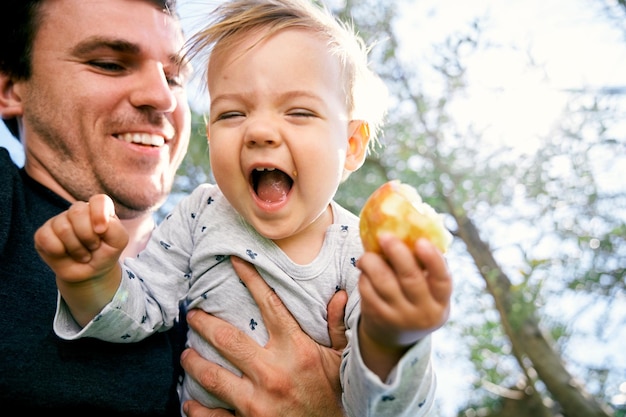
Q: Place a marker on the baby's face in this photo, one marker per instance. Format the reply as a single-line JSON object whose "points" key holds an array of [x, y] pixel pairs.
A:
{"points": [[279, 130]]}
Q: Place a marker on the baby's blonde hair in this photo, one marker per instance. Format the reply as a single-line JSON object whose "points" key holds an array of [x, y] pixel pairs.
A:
{"points": [[366, 94]]}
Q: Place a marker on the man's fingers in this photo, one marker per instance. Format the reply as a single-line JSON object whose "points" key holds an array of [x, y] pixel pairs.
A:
{"points": [[228, 340], [252, 279], [278, 320], [214, 378], [195, 409], [336, 323], [268, 382]]}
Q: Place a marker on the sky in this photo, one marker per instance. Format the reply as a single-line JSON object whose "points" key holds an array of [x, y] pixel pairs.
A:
{"points": [[572, 44]]}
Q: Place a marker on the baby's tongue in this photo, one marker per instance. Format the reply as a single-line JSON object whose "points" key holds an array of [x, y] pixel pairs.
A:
{"points": [[273, 186]]}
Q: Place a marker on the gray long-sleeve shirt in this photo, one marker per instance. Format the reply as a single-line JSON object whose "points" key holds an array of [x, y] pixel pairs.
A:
{"points": [[187, 260]]}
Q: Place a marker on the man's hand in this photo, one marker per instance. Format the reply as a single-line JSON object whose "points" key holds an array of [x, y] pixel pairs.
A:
{"points": [[291, 376]]}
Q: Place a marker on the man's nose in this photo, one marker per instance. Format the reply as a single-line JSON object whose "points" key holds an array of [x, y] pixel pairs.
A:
{"points": [[153, 89]]}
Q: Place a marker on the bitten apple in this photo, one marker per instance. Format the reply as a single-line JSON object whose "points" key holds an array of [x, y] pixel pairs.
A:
{"points": [[398, 209]]}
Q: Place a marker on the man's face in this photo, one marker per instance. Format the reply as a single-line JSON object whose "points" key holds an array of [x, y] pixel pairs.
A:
{"points": [[105, 110]]}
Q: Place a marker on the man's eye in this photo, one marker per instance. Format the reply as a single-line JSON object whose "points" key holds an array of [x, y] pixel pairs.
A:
{"points": [[176, 81], [107, 66]]}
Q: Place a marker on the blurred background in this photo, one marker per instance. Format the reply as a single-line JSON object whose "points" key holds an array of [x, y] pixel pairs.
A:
{"points": [[510, 118]]}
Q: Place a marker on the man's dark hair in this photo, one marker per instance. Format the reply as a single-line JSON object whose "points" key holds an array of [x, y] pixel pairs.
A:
{"points": [[19, 22]]}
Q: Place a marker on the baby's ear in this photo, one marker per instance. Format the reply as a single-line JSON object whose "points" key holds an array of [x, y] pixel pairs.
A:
{"points": [[357, 144]]}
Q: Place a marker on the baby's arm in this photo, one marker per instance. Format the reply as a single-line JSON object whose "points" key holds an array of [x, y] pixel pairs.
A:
{"points": [[402, 300], [82, 246]]}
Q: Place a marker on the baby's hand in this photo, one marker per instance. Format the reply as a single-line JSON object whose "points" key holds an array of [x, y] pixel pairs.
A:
{"points": [[84, 241], [407, 297]]}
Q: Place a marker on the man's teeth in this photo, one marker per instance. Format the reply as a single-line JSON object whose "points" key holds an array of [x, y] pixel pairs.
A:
{"points": [[143, 138]]}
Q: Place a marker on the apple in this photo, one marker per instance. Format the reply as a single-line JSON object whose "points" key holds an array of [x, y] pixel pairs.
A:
{"points": [[397, 208]]}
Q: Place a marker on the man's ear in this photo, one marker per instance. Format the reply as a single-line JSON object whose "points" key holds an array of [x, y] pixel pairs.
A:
{"points": [[10, 98], [357, 144]]}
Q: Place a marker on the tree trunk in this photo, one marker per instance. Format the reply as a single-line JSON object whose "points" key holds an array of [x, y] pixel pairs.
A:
{"points": [[527, 341]]}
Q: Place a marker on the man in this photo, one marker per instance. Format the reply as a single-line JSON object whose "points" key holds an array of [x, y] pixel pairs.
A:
{"points": [[95, 92]]}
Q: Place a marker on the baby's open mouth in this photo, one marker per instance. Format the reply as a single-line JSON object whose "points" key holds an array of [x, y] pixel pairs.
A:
{"points": [[270, 184]]}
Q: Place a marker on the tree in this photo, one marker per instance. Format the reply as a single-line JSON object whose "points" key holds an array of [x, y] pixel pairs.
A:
{"points": [[481, 190]]}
